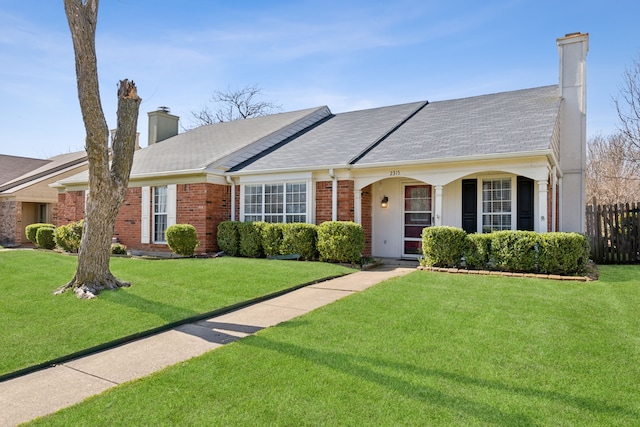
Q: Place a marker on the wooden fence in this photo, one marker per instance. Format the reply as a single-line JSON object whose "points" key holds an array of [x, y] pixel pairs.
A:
{"points": [[615, 233]]}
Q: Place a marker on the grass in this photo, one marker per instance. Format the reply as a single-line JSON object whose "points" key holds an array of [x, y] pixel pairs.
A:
{"points": [[424, 349], [37, 326]]}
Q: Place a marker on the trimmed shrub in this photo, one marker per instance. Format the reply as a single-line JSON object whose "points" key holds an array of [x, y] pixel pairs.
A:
{"points": [[443, 246], [118, 249], [271, 238], [182, 239], [340, 241], [250, 240], [299, 238], [563, 253], [477, 255], [44, 238], [228, 238], [67, 237], [515, 250], [31, 230]]}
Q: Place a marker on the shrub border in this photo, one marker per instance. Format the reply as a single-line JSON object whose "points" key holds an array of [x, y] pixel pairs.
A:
{"points": [[508, 274]]}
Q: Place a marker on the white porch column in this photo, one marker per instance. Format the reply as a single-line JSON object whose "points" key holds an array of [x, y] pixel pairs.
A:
{"points": [[438, 205], [357, 206], [542, 207], [554, 198]]}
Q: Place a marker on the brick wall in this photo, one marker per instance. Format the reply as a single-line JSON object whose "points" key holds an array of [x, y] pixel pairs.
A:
{"points": [[70, 207], [202, 205], [8, 220], [345, 201], [128, 226], [323, 201], [366, 218]]}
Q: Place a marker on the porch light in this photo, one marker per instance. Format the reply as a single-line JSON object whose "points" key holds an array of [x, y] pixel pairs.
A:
{"points": [[385, 202]]}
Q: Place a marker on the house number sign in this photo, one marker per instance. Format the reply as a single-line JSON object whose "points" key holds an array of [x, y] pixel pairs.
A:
{"points": [[394, 173]]}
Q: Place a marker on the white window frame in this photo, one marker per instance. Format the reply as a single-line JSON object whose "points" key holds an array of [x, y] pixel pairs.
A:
{"points": [[147, 232], [156, 214], [512, 213], [262, 198]]}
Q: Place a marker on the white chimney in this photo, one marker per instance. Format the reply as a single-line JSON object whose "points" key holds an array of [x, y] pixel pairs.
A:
{"points": [[572, 50], [162, 125]]}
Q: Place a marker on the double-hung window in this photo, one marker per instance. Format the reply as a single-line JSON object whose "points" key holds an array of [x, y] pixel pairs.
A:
{"points": [[281, 202], [496, 204], [160, 213]]}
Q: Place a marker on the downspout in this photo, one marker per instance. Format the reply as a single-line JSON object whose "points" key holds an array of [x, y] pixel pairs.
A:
{"points": [[233, 197], [554, 198], [334, 196]]}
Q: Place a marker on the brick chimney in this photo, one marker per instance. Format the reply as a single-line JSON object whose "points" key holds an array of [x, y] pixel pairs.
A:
{"points": [[572, 50], [162, 125]]}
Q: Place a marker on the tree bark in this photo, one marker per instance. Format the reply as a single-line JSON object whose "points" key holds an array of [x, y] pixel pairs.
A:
{"points": [[107, 182]]}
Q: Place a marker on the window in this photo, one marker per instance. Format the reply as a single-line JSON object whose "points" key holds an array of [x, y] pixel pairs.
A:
{"points": [[276, 202], [160, 212], [297, 202], [496, 205]]}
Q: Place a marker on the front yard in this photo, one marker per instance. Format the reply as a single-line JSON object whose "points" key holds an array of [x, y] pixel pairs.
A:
{"points": [[37, 326], [424, 349]]}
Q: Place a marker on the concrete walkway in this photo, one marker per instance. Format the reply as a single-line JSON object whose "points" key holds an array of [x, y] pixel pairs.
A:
{"points": [[47, 391]]}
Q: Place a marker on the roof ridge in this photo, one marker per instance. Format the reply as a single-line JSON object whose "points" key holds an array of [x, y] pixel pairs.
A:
{"points": [[385, 135]]}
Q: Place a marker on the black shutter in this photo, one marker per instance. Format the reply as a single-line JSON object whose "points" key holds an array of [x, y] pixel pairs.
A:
{"points": [[525, 204], [470, 205]]}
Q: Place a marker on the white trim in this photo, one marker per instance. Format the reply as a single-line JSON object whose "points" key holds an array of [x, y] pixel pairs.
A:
{"points": [[172, 201], [437, 201], [145, 220]]}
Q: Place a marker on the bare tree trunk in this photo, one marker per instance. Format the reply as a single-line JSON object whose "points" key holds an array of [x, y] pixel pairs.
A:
{"points": [[107, 184]]}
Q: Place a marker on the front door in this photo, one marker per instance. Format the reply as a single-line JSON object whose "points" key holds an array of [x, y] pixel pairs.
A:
{"points": [[417, 214]]}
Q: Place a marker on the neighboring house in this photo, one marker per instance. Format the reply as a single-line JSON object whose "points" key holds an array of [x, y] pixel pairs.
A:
{"points": [[25, 195], [512, 160]]}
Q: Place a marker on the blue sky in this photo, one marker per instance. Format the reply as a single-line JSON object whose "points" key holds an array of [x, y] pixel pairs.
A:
{"points": [[348, 55]]}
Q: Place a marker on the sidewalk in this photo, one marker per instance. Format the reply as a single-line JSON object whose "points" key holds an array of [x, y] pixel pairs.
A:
{"points": [[47, 391]]}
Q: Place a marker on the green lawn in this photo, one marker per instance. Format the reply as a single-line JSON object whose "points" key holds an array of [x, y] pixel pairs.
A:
{"points": [[38, 326], [424, 349]]}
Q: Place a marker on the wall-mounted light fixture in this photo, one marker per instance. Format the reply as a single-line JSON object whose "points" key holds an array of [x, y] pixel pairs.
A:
{"points": [[385, 202]]}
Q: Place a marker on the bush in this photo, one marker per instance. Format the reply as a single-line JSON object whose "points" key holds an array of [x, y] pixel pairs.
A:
{"points": [[182, 239], [563, 253], [44, 238], [477, 255], [228, 238], [31, 230], [271, 238], [515, 250], [250, 239], [299, 238], [118, 249], [67, 237], [340, 241], [443, 246]]}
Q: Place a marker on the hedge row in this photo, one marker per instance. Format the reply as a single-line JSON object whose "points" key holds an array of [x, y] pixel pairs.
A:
{"points": [[515, 251], [332, 241], [66, 237]]}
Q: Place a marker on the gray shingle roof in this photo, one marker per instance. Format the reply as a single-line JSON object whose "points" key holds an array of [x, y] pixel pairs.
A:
{"points": [[213, 145], [335, 141], [508, 122]]}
